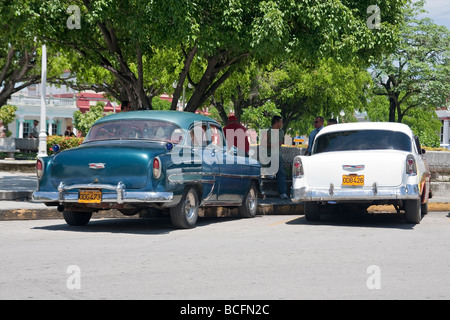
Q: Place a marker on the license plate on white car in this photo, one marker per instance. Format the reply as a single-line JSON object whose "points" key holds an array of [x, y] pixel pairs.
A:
{"points": [[353, 180]]}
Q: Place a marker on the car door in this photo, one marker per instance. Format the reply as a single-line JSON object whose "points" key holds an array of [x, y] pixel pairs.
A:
{"points": [[206, 162], [231, 185]]}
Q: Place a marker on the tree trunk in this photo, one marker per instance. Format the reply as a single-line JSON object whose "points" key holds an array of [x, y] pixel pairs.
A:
{"points": [[219, 107], [189, 57], [16, 78], [392, 108], [208, 84]]}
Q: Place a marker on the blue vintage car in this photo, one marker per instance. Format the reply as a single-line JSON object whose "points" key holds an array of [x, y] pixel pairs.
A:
{"points": [[167, 160]]}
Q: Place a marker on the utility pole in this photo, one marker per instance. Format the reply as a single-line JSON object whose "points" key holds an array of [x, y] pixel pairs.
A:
{"points": [[43, 128]]}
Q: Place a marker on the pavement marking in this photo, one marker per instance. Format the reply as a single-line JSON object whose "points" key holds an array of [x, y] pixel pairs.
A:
{"points": [[283, 222]]}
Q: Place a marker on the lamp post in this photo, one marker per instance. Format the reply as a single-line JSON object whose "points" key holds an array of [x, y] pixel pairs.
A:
{"points": [[43, 130], [183, 101]]}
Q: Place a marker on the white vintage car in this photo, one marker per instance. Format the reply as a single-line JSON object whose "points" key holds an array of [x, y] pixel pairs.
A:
{"points": [[357, 165]]}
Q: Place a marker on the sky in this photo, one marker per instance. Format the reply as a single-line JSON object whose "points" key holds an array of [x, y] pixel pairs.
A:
{"points": [[439, 11]]}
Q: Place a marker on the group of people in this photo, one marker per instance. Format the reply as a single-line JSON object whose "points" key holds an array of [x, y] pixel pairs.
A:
{"points": [[34, 133], [236, 135], [266, 140]]}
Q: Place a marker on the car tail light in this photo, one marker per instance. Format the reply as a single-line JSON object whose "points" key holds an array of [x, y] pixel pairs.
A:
{"points": [[297, 169], [39, 168], [156, 168], [411, 167]]}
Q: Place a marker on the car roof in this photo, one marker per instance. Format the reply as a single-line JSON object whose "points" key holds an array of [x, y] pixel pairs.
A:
{"points": [[182, 119], [390, 126]]}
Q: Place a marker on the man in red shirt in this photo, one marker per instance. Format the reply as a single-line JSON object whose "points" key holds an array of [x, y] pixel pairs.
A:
{"points": [[236, 135]]}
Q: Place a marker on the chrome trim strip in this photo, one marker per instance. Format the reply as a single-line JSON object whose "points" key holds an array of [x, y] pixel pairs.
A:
{"points": [[120, 195], [225, 175], [348, 194], [353, 168]]}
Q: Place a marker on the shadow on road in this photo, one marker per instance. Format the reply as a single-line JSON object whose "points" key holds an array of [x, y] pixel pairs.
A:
{"points": [[144, 226], [379, 220]]}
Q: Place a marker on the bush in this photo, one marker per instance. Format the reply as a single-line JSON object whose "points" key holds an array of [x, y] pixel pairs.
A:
{"points": [[7, 116], [64, 143]]}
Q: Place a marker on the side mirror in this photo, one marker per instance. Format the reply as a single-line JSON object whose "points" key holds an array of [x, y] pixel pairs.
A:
{"points": [[423, 151]]}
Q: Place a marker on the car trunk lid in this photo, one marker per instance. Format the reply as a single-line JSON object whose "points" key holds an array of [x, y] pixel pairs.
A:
{"points": [[105, 164], [385, 168]]}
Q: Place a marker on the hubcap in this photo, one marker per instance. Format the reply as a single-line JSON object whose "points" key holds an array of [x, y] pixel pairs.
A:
{"points": [[251, 200], [190, 206]]}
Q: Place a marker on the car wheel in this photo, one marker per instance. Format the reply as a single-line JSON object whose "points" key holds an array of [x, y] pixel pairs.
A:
{"points": [[312, 211], [185, 214], [413, 211], [424, 208], [74, 218], [250, 205]]}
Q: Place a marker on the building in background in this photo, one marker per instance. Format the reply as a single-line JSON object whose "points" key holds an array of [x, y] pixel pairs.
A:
{"points": [[444, 116], [61, 104]]}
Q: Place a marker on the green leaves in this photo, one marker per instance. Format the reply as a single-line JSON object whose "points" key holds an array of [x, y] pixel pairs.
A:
{"points": [[136, 49], [7, 116], [84, 121], [416, 75], [414, 80]]}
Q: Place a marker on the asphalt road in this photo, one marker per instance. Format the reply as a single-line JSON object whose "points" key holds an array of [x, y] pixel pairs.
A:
{"points": [[269, 257]]}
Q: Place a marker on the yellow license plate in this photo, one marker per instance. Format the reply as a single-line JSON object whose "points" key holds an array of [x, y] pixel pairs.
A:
{"points": [[353, 180], [90, 196]]}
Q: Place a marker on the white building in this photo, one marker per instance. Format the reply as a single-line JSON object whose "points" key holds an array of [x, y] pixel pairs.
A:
{"points": [[59, 114]]}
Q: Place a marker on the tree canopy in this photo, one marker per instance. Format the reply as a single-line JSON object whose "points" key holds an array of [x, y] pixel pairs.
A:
{"points": [[417, 74], [203, 41], [18, 54], [295, 58]]}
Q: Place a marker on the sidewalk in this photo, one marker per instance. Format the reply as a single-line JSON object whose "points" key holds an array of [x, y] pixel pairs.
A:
{"points": [[16, 189]]}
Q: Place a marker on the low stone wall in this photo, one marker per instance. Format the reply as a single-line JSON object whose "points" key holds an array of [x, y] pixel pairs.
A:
{"points": [[31, 145], [7, 144], [24, 166], [439, 162], [289, 153]]}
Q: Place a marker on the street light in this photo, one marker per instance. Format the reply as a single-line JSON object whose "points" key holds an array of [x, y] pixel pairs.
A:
{"points": [[43, 130], [175, 85]]}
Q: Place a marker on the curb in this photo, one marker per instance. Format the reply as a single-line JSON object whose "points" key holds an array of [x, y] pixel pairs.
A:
{"points": [[263, 209], [23, 166], [53, 213]]}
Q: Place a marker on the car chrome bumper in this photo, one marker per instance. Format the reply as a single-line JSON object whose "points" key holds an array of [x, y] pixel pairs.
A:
{"points": [[355, 194], [65, 194]]}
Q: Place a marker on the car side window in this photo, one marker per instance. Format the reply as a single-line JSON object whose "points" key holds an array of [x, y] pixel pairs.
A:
{"points": [[199, 136], [216, 136]]}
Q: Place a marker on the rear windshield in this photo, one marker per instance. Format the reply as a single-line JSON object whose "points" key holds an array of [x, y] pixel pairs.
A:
{"points": [[362, 140], [135, 130]]}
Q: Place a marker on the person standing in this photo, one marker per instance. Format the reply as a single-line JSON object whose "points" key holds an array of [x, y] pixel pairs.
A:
{"points": [[126, 106], [277, 124], [318, 125], [35, 130], [236, 135]]}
